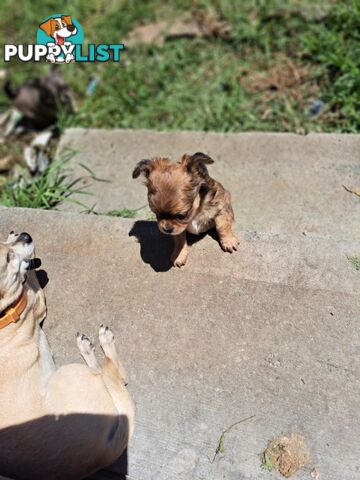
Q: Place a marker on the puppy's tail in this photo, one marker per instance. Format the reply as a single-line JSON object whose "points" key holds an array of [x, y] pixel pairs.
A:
{"points": [[10, 91]]}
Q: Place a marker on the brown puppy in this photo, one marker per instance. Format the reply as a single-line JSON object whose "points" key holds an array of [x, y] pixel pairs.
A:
{"points": [[185, 198]]}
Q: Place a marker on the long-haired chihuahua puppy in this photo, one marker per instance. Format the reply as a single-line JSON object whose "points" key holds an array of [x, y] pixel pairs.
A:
{"points": [[184, 198]]}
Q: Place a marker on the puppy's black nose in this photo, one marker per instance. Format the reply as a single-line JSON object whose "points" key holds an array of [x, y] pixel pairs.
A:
{"points": [[168, 229], [24, 237], [71, 28]]}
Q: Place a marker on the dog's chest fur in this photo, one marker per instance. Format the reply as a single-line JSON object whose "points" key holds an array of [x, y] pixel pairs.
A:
{"points": [[210, 205], [201, 223]]}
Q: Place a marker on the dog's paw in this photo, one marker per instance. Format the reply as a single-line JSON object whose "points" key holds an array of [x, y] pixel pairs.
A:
{"points": [[229, 244], [87, 351], [107, 342], [179, 259], [84, 344], [106, 336]]}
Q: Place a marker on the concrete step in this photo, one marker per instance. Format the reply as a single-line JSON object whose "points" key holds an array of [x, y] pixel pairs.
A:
{"points": [[271, 331], [280, 183]]}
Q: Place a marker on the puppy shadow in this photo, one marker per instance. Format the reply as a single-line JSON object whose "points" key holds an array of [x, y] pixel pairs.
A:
{"points": [[155, 247]]}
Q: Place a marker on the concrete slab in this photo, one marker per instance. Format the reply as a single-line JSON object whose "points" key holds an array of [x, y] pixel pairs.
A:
{"points": [[280, 183], [272, 331]]}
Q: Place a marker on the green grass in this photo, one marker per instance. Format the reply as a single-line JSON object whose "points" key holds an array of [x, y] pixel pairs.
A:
{"points": [[220, 448], [124, 213], [266, 463], [45, 191], [208, 84], [355, 262]]}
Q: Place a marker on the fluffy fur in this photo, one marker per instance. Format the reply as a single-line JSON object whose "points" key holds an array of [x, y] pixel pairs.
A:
{"points": [[184, 197]]}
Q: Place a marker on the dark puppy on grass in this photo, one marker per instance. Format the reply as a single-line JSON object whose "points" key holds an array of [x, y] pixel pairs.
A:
{"points": [[185, 198]]}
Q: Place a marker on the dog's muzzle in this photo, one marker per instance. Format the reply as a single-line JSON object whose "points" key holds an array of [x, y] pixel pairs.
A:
{"points": [[24, 238]]}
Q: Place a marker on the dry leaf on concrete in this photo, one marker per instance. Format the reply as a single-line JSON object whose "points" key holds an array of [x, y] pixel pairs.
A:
{"points": [[287, 454]]}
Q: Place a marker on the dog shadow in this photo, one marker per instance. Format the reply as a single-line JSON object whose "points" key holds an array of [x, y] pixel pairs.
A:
{"points": [[117, 471], [51, 428], [155, 247], [41, 275]]}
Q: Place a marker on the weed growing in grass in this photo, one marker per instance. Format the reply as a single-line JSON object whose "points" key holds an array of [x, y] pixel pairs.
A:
{"points": [[124, 213], [355, 261], [45, 191], [335, 47], [208, 84]]}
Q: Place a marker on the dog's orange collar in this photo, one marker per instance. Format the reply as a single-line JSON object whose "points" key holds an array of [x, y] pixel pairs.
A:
{"points": [[12, 313]]}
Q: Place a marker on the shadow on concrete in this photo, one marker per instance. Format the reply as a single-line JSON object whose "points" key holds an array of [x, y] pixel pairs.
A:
{"points": [[42, 278], [41, 275], [65, 446], [155, 247]]}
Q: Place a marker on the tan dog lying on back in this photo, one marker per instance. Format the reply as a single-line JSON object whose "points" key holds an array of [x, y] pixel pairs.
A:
{"points": [[54, 424], [184, 198]]}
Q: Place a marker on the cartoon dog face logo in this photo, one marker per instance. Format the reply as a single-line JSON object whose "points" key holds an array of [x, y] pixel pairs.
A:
{"points": [[59, 28]]}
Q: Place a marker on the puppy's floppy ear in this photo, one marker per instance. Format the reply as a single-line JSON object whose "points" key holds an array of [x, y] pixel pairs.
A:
{"points": [[197, 162], [144, 167], [67, 19], [201, 157], [48, 26]]}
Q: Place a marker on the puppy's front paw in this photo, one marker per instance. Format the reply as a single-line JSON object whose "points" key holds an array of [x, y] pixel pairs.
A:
{"points": [[229, 244], [179, 259]]}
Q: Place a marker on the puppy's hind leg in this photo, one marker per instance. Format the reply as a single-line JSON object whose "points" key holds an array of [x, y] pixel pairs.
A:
{"points": [[87, 351], [114, 377], [107, 342]]}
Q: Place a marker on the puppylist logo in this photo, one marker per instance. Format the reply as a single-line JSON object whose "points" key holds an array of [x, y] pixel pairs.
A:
{"points": [[60, 39]]}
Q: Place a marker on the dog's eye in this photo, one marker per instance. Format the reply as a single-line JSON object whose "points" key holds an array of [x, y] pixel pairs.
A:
{"points": [[181, 216], [57, 27], [64, 24]]}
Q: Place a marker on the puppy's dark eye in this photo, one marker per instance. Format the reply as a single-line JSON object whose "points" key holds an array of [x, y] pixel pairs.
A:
{"points": [[64, 24], [57, 27], [181, 216]]}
